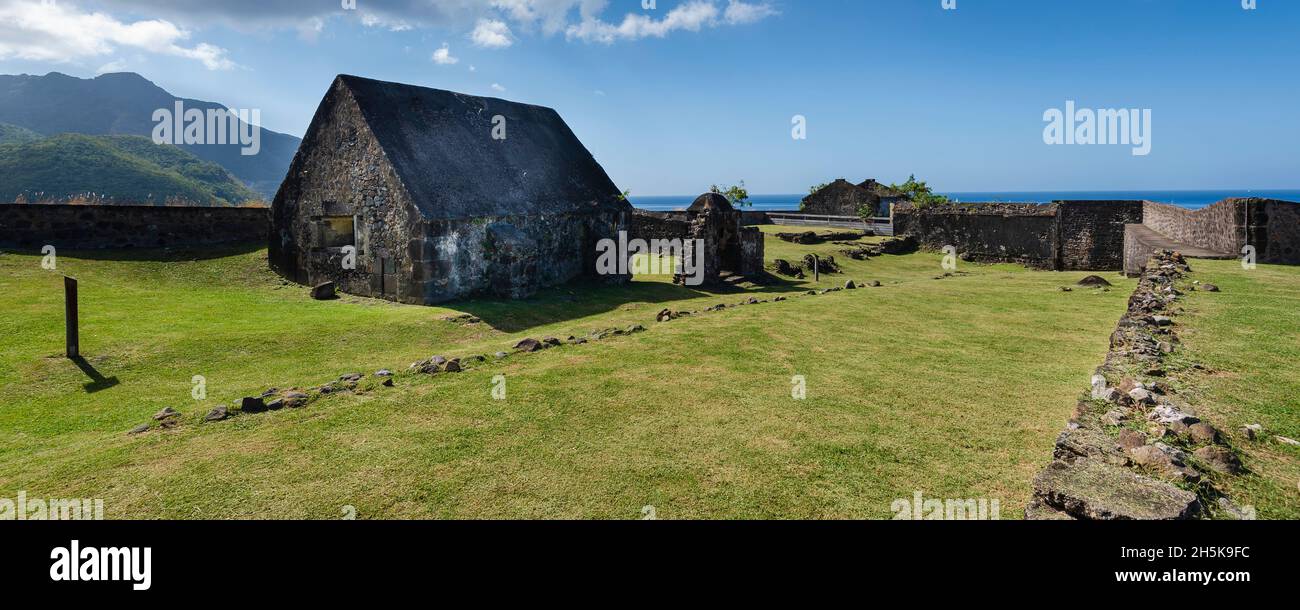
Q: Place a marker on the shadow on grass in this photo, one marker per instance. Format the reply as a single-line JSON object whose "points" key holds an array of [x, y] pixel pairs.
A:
{"points": [[583, 299], [98, 382], [178, 253]]}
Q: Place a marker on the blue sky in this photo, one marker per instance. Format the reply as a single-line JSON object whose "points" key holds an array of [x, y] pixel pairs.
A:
{"points": [[684, 96]]}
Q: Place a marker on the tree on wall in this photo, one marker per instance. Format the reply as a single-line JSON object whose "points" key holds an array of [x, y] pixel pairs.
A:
{"points": [[919, 193], [737, 194]]}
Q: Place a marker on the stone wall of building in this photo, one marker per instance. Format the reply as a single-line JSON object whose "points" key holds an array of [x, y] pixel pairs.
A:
{"points": [[97, 227], [985, 232], [1090, 234], [349, 177]]}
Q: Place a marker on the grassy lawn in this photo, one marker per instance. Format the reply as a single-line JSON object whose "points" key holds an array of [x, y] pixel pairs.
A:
{"points": [[954, 387], [1249, 338]]}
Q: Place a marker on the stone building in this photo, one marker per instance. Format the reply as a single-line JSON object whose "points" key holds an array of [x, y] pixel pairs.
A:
{"points": [[843, 198], [422, 196]]}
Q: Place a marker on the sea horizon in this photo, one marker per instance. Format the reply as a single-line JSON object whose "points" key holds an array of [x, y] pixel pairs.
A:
{"points": [[1190, 199]]}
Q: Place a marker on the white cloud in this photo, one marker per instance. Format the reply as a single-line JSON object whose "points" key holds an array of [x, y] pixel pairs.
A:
{"points": [[443, 56], [691, 17], [59, 32], [498, 88], [112, 66], [741, 13], [492, 34]]}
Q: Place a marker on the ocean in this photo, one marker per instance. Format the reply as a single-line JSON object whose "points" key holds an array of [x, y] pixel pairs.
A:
{"points": [[1188, 199]]}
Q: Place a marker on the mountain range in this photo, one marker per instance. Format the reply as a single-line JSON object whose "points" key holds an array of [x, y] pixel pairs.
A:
{"points": [[34, 108]]}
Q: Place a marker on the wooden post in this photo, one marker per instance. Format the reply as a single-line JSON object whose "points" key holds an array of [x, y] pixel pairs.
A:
{"points": [[70, 309]]}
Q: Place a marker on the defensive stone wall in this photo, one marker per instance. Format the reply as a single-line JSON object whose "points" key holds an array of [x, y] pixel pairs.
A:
{"points": [[1090, 234], [98, 227], [985, 232]]}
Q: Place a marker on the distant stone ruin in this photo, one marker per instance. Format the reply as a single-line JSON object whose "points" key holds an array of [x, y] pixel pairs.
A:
{"points": [[1104, 235]]}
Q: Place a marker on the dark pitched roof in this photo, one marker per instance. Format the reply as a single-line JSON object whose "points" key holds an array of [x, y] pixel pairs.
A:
{"points": [[440, 144]]}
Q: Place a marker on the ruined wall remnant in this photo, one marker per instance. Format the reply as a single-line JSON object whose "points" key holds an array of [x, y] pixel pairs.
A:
{"points": [[98, 227], [1133, 444], [1090, 234], [710, 224], [1098, 235], [986, 232]]}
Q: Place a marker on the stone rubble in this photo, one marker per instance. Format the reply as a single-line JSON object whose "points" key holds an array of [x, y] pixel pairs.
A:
{"points": [[1134, 450]]}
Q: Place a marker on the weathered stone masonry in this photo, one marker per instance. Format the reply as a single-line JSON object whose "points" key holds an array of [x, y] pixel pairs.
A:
{"points": [[437, 205], [1096, 235], [97, 227]]}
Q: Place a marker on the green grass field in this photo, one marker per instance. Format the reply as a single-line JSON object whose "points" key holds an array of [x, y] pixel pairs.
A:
{"points": [[954, 387]]}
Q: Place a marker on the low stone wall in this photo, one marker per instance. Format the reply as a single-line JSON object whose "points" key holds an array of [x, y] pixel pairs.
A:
{"points": [[96, 227], [985, 232], [658, 225], [1134, 445]]}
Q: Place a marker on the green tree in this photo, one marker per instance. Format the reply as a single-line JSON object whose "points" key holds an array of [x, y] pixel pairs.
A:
{"points": [[920, 193], [737, 194]]}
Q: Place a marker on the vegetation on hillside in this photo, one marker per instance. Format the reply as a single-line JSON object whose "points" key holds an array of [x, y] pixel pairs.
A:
{"points": [[13, 134], [113, 169]]}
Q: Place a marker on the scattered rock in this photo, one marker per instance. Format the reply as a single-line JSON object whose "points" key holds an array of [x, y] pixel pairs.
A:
{"points": [[1142, 396], [1066, 289], [324, 292], [1094, 281], [1220, 459], [166, 413], [453, 366], [784, 267], [1230, 509], [1202, 433], [275, 405], [1253, 431], [1287, 441], [635, 328], [383, 373], [140, 429], [388, 382], [1131, 439], [351, 377], [1169, 415], [501, 355], [170, 424], [1162, 321], [850, 285], [295, 400], [1209, 288], [875, 283], [252, 405], [1038, 511], [217, 414], [1114, 417], [529, 345], [1090, 489]]}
